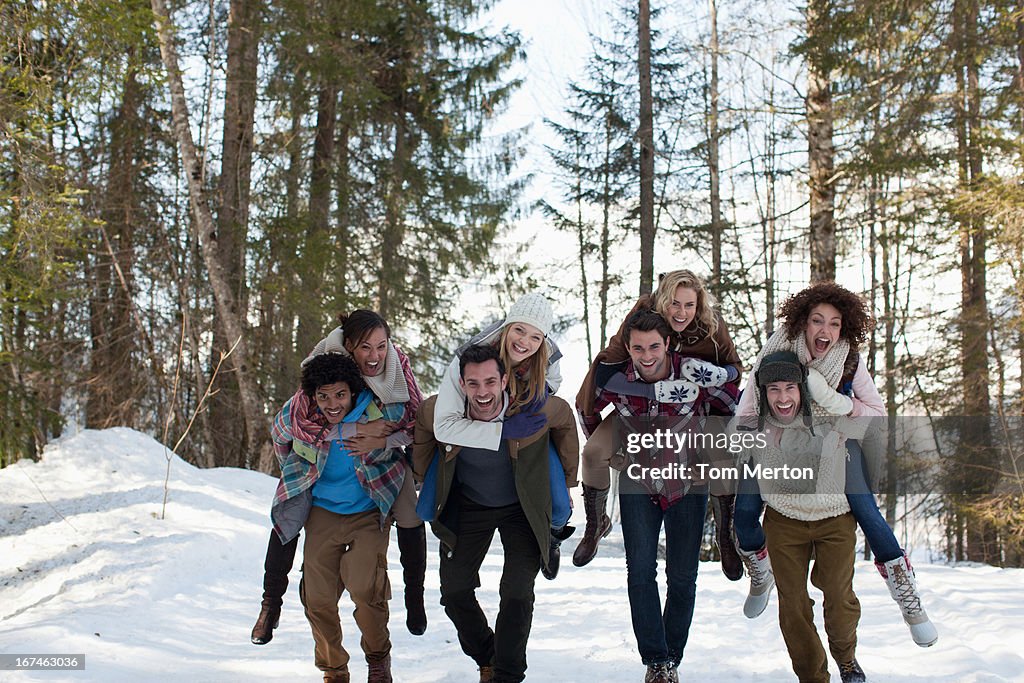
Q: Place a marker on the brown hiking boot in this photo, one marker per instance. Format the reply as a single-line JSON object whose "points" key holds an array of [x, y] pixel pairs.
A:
{"points": [[598, 525], [721, 509], [486, 674], [336, 677], [263, 631], [378, 669]]}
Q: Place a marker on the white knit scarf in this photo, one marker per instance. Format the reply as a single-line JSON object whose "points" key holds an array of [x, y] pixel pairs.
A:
{"points": [[830, 365], [389, 386]]}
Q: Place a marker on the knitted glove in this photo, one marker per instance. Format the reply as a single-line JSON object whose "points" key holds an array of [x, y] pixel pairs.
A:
{"points": [[825, 396], [675, 391], [703, 373], [521, 425]]}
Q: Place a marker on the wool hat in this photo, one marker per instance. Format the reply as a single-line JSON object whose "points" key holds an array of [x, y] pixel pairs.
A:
{"points": [[533, 309], [782, 366]]}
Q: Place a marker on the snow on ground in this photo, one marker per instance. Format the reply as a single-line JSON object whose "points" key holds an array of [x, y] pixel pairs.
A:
{"points": [[87, 566]]}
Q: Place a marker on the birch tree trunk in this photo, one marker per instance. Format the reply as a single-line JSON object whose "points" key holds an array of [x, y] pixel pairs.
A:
{"points": [[225, 432], [225, 301]]}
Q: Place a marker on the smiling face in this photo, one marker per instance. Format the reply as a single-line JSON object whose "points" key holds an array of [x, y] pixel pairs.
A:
{"points": [[649, 354], [824, 323], [370, 353], [522, 341], [682, 309], [334, 401], [485, 389], [783, 400]]}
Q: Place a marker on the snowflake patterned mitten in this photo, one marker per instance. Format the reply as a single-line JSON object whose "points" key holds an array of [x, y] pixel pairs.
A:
{"points": [[675, 391], [703, 373]]}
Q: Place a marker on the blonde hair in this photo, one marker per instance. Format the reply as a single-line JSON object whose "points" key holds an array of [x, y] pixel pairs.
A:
{"points": [[668, 283], [531, 387]]}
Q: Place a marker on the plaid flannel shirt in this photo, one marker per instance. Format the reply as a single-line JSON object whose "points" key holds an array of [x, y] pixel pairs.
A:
{"points": [[683, 416], [301, 458]]}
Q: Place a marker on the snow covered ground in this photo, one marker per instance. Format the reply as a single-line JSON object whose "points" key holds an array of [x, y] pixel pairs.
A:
{"points": [[87, 566]]}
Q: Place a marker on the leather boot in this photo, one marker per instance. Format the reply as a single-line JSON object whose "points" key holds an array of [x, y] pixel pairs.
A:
{"points": [[378, 669], [598, 525], [336, 677], [554, 554], [412, 548], [270, 616], [721, 509]]}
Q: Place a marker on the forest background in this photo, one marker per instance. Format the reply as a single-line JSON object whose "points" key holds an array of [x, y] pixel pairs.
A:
{"points": [[192, 190]]}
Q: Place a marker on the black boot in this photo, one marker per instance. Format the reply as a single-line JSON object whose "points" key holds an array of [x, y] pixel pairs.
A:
{"points": [[278, 562], [554, 554], [412, 547], [721, 509], [598, 525]]}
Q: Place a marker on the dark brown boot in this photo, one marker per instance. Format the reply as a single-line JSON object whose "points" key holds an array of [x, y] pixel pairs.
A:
{"points": [[598, 525], [721, 509], [378, 669], [486, 674], [550, 571], [263, 631], [336, 677], [412, 548]]}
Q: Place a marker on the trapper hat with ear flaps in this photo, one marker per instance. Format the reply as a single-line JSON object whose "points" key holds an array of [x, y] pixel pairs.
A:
{"points": [[532, 309], [782, 366]]}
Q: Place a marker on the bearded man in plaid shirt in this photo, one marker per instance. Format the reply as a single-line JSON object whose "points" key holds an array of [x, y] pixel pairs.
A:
{"points": [[662, 486]]}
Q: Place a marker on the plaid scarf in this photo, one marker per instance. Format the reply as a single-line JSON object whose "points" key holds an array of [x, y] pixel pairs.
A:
{"points": [[300, 435]]}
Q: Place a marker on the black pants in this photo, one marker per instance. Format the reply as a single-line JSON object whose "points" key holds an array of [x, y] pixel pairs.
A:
{"points": [[279, 561], [505, 646]]}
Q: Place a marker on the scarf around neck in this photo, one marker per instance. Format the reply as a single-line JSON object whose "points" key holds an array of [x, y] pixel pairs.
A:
{"points": [[389, 386], [830, 365]]}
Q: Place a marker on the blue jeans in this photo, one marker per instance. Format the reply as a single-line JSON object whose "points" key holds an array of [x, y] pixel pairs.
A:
{"points": [[747, 515], [865, 508], [661, 637]]}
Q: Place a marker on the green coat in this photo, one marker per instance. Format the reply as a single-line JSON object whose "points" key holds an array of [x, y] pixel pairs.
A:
{"points": [[529, 464]]}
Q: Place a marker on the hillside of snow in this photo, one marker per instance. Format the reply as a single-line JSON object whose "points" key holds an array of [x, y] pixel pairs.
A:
{"points": [[87, 566]]}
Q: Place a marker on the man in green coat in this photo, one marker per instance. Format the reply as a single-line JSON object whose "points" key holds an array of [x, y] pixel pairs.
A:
{"points": [[479, 491]]}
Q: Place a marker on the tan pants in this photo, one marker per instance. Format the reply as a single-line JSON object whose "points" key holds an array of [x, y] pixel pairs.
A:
{"points": [[790, 542], [597, 455], [404, 509], [345, 552]]}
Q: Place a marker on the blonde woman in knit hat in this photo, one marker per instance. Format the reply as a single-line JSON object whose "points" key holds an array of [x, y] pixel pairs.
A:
{"points": [[698, 331], [365, 336], [824, 325], [532, 358]]}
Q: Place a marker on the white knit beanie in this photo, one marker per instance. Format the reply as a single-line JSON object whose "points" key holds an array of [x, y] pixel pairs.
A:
{"points": [[532, 309]]}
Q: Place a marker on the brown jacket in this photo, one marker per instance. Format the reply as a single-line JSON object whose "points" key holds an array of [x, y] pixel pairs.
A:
{"points": [[693, 341]]}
